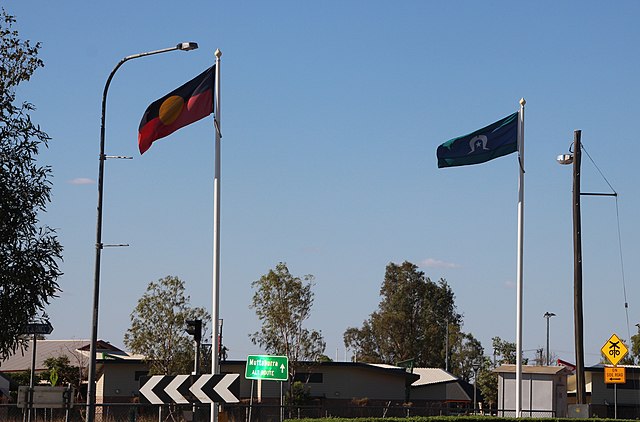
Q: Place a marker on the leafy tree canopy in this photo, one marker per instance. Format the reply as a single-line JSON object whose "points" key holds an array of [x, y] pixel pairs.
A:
{"points": [[158, 327], [413, 319], [29, 251], [61, 370], [283, 303]]}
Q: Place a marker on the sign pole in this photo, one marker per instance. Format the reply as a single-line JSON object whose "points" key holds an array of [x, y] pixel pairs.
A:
{"points": [[32, 377], [615, 401], [251, 400]]}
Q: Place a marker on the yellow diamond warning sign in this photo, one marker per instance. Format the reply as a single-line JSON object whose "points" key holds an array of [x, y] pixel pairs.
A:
{"points": [[614, 350]]}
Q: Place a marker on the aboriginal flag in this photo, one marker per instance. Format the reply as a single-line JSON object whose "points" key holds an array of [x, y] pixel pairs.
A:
{"points": [[181, 107]]}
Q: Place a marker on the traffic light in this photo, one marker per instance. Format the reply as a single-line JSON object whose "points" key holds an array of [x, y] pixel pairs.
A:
{"points": [[194, 327]]}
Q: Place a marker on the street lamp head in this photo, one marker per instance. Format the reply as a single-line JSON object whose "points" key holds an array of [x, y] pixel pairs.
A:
{"points": [[549, 314], [187, 46], [565, 159]]}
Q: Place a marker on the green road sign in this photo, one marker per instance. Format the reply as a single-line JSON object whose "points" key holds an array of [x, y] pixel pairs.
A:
{"points": [[261, 367]]}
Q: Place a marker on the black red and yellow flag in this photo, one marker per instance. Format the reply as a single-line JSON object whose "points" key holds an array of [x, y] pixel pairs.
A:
{"points": [[181, 107]]}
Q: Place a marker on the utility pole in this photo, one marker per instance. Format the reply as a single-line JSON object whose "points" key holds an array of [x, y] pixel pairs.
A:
{"points": [[577, 271]]}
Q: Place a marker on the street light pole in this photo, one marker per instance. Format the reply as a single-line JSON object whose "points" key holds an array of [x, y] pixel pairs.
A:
{"points": [[575, 158], [577, 273], [476, 366], [91, 392], [548, 316]]}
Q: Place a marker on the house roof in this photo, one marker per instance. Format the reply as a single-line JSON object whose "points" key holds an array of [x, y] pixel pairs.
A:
{"points": [[432, 376], [600, 367], [530, 369], [76, 350]]}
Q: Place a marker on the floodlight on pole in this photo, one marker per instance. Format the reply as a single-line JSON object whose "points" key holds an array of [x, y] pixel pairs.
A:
{"points": [[475, 365], [91, 388], [575, 159], [548, 316]]}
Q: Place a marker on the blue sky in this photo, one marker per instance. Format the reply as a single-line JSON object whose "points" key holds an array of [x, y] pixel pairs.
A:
{"points": [[331, 115]]}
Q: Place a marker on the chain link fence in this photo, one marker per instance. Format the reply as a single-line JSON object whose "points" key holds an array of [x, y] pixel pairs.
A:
{"points": [[243, 412]]}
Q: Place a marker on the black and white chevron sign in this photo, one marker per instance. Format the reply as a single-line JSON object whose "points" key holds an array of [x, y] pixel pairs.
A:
{"points": [[185, 389]]}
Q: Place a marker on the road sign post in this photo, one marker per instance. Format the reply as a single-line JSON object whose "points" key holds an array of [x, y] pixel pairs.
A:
{"points": [[263, 367], [614, 350]]}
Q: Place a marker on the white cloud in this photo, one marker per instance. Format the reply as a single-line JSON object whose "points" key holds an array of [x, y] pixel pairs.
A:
{"points": [[509, 284], [81, 181], [436, 263]]}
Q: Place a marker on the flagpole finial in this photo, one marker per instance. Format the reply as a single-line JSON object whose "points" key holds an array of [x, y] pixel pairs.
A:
{"points": [[218, 53], [522, 102]]}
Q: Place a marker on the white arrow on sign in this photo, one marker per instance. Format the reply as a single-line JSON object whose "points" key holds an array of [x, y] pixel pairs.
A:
{"points": [[222, 388], [196, 388], [147, 389], [172, 389]]}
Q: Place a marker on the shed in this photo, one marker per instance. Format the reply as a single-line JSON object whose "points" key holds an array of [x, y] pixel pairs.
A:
{"points": [[544, 390]]}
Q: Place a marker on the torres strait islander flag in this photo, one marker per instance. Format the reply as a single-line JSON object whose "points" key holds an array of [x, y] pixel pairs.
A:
{"points": [[181, 107], [493, 141]]}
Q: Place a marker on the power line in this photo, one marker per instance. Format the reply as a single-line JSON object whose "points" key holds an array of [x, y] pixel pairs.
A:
{"points": [[624, 284]]}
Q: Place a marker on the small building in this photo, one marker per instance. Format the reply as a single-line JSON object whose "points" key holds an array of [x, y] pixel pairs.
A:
{"points": [[440, 389], [602, 397], [356, 389], [117, 372], [334, 381], [544, 391]]}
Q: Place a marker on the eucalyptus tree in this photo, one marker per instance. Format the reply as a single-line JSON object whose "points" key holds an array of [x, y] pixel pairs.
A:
{"points": [[29, 250], [282, 303], [413, 320], [158, 327]]}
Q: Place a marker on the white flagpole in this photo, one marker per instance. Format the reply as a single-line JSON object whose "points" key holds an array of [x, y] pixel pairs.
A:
{"points": [[519, 265], [215, 367]]}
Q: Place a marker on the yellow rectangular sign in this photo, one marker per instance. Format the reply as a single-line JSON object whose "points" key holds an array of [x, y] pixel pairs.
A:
{"points": [[615, 375]]}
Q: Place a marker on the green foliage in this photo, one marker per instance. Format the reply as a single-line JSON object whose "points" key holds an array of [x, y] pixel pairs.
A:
{"points": [[29, 251], [448, 419], [24, 377], [465, 351], [283, 303], [505, 352], [487, 383], [158, 327], [634, 351], [410, 323], [64, 372], [298, 394]]}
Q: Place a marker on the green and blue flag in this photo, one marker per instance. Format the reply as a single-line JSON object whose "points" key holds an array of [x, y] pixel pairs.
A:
{"points": [[493, 141]]}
